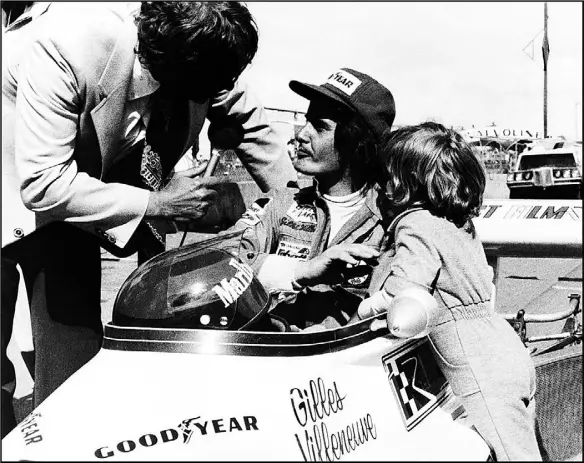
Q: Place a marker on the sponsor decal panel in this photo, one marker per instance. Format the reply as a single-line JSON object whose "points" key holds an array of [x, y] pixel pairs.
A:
{"points": [[299, 226], [416, 381], [253, 215], [358, 275], [230, 289], [293, 250], [189, 430], [344, 81], [302, 213], [30, 429], [530, 211], [193, 426], [500, 132], [313, 406]]}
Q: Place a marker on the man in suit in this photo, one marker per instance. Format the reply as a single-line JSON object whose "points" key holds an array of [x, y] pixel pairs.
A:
{"points": [[99, 104]]}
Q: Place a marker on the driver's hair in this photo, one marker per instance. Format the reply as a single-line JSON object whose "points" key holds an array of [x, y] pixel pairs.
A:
{"points": [[194, 37], [435, 165], [358, 148]]}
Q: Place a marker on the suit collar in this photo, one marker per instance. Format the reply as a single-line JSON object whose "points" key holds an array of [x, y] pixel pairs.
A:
{"points": [[142, 83], [120, 65]]}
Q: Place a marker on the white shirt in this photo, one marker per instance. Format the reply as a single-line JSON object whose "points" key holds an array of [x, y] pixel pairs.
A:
{"points": [[342, 208], [137, 111]]}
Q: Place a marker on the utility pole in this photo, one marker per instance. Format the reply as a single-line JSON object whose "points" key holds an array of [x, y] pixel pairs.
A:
{"points": [[545, 51]]}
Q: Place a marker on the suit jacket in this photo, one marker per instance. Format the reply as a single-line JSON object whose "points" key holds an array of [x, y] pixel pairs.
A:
{"points": [[63, 101]]}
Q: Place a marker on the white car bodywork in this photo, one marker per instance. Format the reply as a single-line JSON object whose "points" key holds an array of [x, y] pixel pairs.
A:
{"points": [[212, 396]]}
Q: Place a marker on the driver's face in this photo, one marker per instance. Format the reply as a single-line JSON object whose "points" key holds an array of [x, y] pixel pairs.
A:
{"points": [[316, 153]]}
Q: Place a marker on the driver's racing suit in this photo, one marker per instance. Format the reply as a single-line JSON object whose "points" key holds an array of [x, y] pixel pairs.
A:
{"points": [[291, 225]]}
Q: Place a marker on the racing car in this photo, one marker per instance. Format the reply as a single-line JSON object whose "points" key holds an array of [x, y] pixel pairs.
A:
{"points": [[238, 384]]}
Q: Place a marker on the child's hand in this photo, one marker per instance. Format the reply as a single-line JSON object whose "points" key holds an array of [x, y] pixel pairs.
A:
{"points": [[362, 312], [371, 306], [330, 267]]}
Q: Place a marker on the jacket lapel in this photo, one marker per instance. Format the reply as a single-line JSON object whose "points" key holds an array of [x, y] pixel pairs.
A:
{"points": [[113, 87], [367, 212], [354, 223]]}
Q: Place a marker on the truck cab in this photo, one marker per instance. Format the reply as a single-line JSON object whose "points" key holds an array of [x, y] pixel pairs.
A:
{"points": [[549, 169]]}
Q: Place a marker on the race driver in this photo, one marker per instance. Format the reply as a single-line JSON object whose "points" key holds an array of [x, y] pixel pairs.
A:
{"points": [[340, 213]]}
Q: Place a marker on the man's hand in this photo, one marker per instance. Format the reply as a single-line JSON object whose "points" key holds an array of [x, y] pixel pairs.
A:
{"points": [[332, 265], [186, 196]]}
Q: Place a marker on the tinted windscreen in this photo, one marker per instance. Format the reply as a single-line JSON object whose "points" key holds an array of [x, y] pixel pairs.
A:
{"points": [[547, 160], [200, 286]]}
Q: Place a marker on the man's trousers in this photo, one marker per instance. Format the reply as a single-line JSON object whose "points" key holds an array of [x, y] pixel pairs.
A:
{"points": [[61, 266]]}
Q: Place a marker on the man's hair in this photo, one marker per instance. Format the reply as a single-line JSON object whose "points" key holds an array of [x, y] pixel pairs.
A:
{"points": [[182, 39], [357, 148], [433, 164]]}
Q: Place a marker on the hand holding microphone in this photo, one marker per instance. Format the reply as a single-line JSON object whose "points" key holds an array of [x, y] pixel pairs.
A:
{"points": [[224, 134]]}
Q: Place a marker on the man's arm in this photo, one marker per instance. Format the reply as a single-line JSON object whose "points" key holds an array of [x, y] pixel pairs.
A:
{"points": [[48, 107], [262, 151]]}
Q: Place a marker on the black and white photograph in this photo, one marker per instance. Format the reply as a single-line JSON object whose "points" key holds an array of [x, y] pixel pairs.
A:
{"points": [[291, 231]]}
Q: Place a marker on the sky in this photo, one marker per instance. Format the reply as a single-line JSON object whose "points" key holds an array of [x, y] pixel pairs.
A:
{"points": [[461, 64]]}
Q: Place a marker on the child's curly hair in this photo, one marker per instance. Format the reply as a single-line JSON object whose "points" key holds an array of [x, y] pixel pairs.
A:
{"points": [[433, 164]]}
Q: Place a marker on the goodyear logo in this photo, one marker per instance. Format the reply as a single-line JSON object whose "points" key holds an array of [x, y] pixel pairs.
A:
{"points": [[344, 81], [30, 429], [190, 427]]}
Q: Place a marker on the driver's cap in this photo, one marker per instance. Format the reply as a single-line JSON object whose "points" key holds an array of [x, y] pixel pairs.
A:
{"points": [[358, 92]]}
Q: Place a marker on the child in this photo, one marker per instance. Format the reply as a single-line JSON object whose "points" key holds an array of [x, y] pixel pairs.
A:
{"points": [[438, 183]]}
